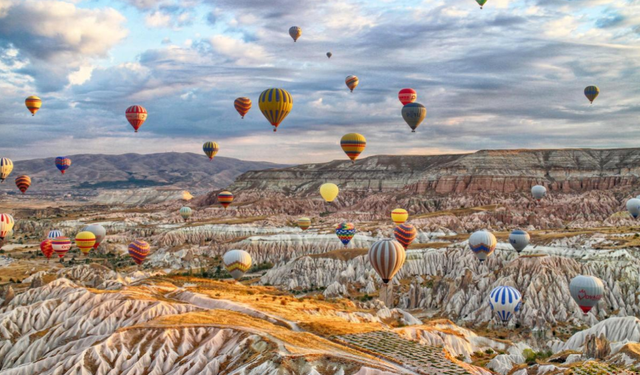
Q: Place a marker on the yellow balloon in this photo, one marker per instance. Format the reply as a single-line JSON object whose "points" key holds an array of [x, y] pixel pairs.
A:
{"points": [[399, 216], [329, 191], [85, 241]]}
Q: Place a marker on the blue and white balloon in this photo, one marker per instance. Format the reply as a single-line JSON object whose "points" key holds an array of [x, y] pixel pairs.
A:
{"points": [[519, 239], [482, 243], [53, 234], [505, 301]]}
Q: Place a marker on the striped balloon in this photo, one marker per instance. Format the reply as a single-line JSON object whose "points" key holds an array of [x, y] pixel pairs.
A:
{"points": [[99, 231], [387, 257], [225, 198], [138, 250], [352, 82], [295, 32], [407, 96], [482, 243], [6, 225], [55, 233], [33, 104], [136, 115], [61, 246], [399, 216], [587, 291], [519, 239], [353, 144], [505, 301], [85, 241], [345, 232], [47, 248], [243, 105], [237, 263], [405, 234], [275, 105], [591, 92], [63, 163], [413, 114], [186, 212], [210, 149], [304, 223], [6, 166], [23, 182]]}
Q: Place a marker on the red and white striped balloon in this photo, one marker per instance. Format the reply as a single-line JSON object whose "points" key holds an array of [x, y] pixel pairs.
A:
{"points": [[136, 115]]}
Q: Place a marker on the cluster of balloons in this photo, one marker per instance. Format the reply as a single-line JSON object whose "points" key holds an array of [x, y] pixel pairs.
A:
{"points": [[89, 238]]}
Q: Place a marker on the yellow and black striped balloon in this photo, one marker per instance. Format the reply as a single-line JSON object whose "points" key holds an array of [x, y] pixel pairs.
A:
{"points": [[352, 82], [210, 149], [275, 105], [242, 105]]}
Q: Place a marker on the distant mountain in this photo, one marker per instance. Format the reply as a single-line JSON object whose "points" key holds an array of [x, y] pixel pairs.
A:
{"points": [[131, 171]]}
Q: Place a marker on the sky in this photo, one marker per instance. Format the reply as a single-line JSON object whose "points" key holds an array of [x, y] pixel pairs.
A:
{"points": [[508, 76]]}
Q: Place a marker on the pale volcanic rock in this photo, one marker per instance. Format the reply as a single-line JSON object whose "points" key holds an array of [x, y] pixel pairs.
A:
{"points": [[617, 330]]}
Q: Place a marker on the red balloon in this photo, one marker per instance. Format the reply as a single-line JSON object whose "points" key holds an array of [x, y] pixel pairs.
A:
{"points": [[46, 248], [407, 96], [136, 115]]}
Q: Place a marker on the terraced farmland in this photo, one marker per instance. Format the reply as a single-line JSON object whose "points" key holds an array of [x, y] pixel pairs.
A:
{"points": [[596, 368]]}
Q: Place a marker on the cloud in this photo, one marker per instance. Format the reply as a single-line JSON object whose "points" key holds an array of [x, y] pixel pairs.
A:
{"points": [[243, 53]]}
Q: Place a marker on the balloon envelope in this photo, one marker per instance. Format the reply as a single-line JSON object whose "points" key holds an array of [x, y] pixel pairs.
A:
{"points": [[23, 182], [275, 105], [482, 243], [414, 114], [61, 245], [85, 241], [345, 232], [353, 144], [6, 225], [586, 291], [519, 239], [55, 233], [46, 248], [352, 82], [186, 212], [63, 163], [6, 166], [225, 198], [99, 231], [633, 206], [329, 191], [387, 257], [591, 92], [481, 2], [210, 149], [407, 96], [329, 54], [136, 115], [295, 32], [33, 104], [304, 223], [399, 216], [539, 192], [237, 263], [405, 234], [242, 105], [138, 250], [505, 301]]}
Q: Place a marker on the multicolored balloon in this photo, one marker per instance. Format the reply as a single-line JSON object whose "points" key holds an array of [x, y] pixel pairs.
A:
{"points": [[186, 212], [539, 192], [242, 105], [399, 216], [519, 239], [505, 301], [329, 54], [98, 231], [587, 291], [139, 250], [481, 2], [405, 234], [414, 114], [387, 257], [591, 92], [225, 198], [6, 166], [136, 115], [61, 246], [63, 163], [237, 263], [46, 248], [6, 225], [329, 191], [482, 243], [210, 149], [353, 144], [304, 223], [345, 232], [352, 82], [407, 96], [295, 32], [55, 233], [633, 206], [275, 105], [23, 182], [85, 241], [33, 104]]}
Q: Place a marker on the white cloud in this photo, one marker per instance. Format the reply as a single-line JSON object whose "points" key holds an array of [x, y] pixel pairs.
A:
{"points": [[158, 19], [244, 53]]}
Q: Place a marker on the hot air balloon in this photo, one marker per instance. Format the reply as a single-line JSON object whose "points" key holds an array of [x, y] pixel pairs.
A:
{"points": [[586, 291], [138, 250], [187, 196], [295, 32], [46, 248], [519, 239], [237, 263], [210, 149], [329, 54], [538, 192], [481, 2], [505, 301], [413, 114], [345, 232], [186, 212], [33, 104], [387, 257], [405, 234], [85, 241], [243, 105], [63, 163], [591, 92], [6, 166], [98, 231], [399, 216], [329, 191], [225, 198], [61, 246], [23, 182], [353, 144], [304, 223], [136, 115], [55, 233], [6, 225], [407, 96], [482, 243], [275, 105], [352, 82], [633, 206]]}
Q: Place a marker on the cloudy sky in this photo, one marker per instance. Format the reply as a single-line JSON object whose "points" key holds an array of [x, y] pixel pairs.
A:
{"points": [[508, 76]]}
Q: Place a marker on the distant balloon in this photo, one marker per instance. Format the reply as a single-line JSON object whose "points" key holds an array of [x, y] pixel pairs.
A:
{"points": [[242, 105], [519, 239], [538, 192], [138, 250], [387, 257], [46, 248], [225, 198], [85, 241], [591, 92], [33, 104], [329, 54], [186, 196], [210, 149], [55, 233], [237, 263], [407, 96], [405, 234], [136, 115], [186, 212], [633, 206], [482, 243], [275, 105], [345, 232], [6, 166], [304, 223], [329, 191], [505, 301], [63, 163], [99, 231], [352, 82], [586, 291], [23, 182], [61, 246], [353, 144], [481, 2], [414, 114], [295, 32], [6, 225], [399, 216]]}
